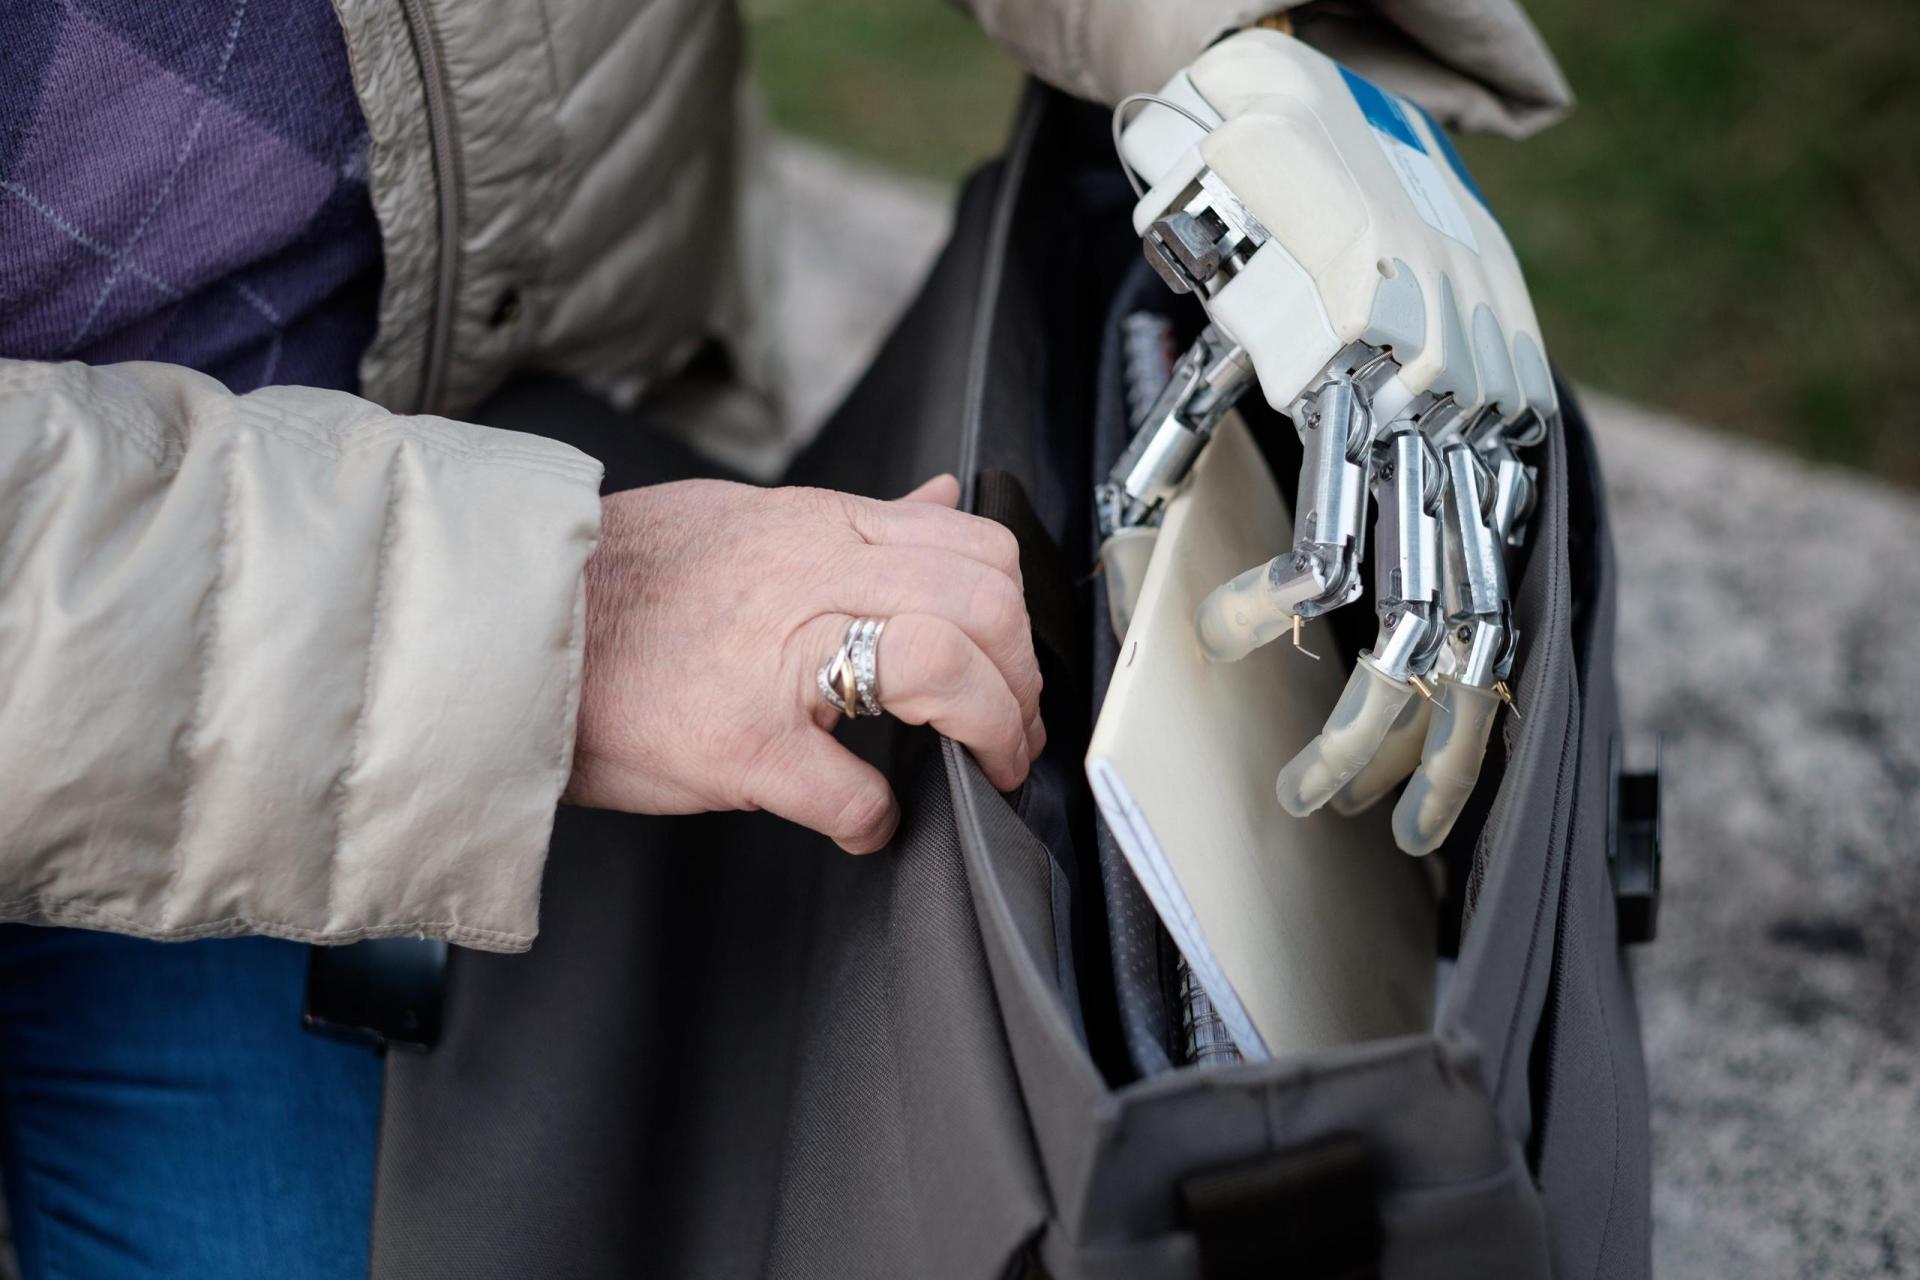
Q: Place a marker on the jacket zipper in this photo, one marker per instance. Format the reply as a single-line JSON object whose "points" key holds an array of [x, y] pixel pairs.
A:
{"points": [[426, 48]]}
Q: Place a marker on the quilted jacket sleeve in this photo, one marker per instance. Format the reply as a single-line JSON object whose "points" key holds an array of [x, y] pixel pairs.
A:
{"points": [[279, 663], [1476, 64]]}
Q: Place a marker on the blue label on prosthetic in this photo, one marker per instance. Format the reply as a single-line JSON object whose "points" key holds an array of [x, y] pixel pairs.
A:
{"points": [[1381, 110], [1421, 177]]}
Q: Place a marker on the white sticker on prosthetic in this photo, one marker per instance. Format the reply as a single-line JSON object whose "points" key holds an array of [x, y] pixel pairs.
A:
{"points": [[1449, 766], [1398, 756], [1367, 709], [1239, 616]]}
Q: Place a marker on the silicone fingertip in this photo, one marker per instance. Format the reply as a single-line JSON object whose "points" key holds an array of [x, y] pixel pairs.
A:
{"points": [[1364, 789], [1422, 820], [1353, 733], [1449, 766], [1239, 616], [1305, 783], [1346, 803], [1124, 557], [1397, 756]]}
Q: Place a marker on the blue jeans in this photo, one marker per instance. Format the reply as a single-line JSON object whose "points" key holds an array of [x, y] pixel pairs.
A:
{"points": [[162, 1114]]}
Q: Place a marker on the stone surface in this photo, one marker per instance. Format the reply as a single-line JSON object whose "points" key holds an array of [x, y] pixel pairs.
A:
{"points": [[1769, 618], [1770, 629]]}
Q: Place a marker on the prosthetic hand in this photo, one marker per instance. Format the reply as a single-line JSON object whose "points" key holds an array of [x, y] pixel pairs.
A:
{"points": [[1348, 265]]}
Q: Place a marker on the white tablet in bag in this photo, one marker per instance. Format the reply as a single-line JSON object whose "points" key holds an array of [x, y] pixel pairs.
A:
{"points": [[1306, 932]]}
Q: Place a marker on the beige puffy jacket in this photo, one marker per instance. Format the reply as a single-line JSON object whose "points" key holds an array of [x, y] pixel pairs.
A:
{"points": [[306, 664]]}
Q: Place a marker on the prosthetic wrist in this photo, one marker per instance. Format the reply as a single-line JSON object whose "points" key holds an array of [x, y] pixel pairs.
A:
{"points": [[1348, 266]]}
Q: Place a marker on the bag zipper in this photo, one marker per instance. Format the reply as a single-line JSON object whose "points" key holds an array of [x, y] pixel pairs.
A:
{"points": [[426, 49]]}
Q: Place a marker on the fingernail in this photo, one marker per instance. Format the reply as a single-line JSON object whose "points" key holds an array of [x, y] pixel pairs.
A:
{"points": [[1036, 739]]}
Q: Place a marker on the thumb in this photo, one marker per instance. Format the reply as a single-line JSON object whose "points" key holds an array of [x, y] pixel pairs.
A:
{"points": [[941, 491], [822, 785]]}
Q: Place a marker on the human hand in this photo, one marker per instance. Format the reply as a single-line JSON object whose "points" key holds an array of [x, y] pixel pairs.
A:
{"points": [[710, 607]]}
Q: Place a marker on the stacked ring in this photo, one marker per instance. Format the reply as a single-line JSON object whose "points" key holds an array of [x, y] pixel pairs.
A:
{"points": [[849, 680]]}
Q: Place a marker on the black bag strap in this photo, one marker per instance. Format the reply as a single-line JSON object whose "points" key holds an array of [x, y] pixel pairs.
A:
{"points": [[1307, 1214]]}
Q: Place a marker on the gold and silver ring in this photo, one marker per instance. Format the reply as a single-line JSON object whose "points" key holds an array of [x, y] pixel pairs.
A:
{"points": [[849, 680]]}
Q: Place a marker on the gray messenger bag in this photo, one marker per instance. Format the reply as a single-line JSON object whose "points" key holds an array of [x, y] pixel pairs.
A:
{"points": [[735, 1052]]}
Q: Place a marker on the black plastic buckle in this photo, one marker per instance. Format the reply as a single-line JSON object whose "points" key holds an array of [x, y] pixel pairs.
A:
{"points": [[1633, 847], [385, 992], [1308, 1214]]}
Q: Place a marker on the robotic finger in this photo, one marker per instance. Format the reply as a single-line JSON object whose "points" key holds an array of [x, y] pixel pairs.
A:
{"points": [[1172, 428], [1484, 508], [1456, 743], [1322, 572], [1385, 680]]}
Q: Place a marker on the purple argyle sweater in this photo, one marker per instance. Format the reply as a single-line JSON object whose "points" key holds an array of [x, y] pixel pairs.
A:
{"points": [[185, 180]]}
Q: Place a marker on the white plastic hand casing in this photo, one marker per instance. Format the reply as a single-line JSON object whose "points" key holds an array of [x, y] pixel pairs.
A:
{"points": [[1375, 232], [1348, 262]]}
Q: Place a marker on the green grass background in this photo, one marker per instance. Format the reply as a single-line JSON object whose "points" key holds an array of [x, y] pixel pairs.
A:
{"points": [[1729, 225]]}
